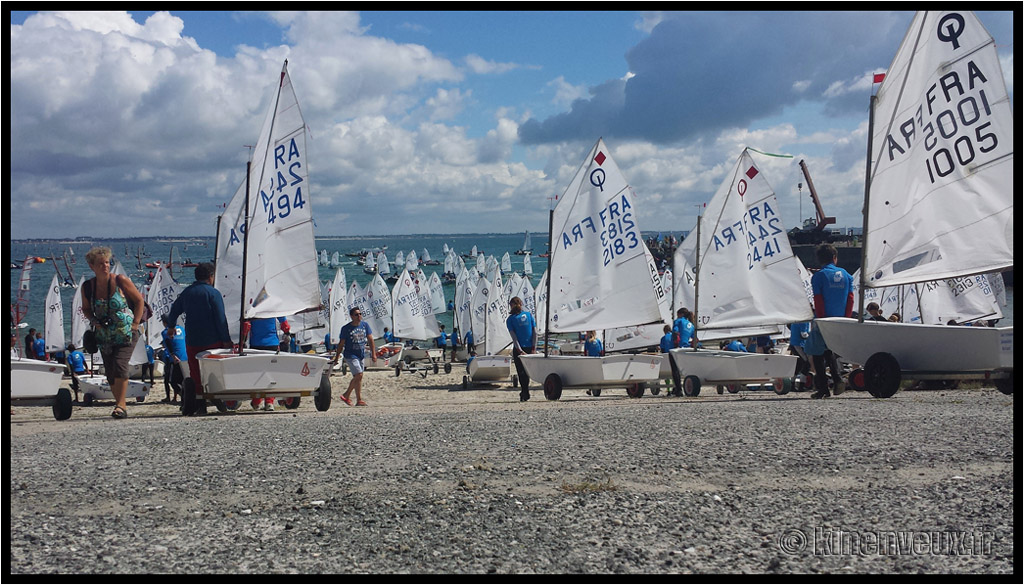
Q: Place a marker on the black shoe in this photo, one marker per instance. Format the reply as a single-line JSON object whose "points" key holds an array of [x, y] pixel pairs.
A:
{"points": [[524, 397], [820, 394]]}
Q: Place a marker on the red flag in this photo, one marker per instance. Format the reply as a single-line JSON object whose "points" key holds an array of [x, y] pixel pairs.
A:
{"points": [[879, 77]]}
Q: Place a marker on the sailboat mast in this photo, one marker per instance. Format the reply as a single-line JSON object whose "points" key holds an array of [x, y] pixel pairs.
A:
{"points": [[867, 200], [245, 249], [547, 284], [696, 284]]}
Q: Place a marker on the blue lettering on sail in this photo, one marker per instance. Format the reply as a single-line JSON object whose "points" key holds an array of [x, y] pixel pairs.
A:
{"points": [[618, 231]]}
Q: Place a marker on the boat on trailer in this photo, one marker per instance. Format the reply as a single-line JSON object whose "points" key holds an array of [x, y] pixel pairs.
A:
{"points": [[598, 277], [953, 216], [738, 289], [37, 383], [265, 246], [93, 388]]}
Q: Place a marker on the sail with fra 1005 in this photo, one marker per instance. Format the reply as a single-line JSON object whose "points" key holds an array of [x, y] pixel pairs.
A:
{"points": [[938, 196]]}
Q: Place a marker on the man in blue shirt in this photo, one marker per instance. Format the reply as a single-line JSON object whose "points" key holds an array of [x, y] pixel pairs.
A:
{"points": [[470, 343], [666, 340], [355, 336], [523, 329], [39, 346], [206, 325], [736, 345], [832, 288]]}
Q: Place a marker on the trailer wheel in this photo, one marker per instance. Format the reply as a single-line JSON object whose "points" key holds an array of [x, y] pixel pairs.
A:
{"points": [[635, 390], [882, 375], [515, 380], [1004, 385], [465, 382], [782, 386], [732, 388], [436, 368], [221, 407], [87, 399], [595, 391], [856, 379], [553, 387], [691, 386], [398, 370], [656, 388], [322, 400], [447, 368], [62, 405]]}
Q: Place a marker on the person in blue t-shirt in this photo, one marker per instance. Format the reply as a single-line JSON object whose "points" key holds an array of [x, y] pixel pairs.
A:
{"points": [[683, 328], [667, 343], [442, 342], [592, 346], [523, 329], [150, 366], [798, 334], [735, 345], [39, 346], [388, 336], [175, 358], [263, 335], [470, 342], [353, 340], [832, 288], [453, 339], [76, 366]]}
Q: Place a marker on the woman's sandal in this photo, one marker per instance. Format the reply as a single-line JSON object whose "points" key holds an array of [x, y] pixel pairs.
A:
{"points": [[360, 403], [119, 412]]}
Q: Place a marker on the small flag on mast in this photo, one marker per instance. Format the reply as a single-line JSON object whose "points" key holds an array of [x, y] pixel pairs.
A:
{"points": [[879, 77]]}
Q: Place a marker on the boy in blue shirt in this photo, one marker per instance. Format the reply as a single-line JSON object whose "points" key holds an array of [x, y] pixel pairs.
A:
{"points": [[833, 297], [523, 329]]}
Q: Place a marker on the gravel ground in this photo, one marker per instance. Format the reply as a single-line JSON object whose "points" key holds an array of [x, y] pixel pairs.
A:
{"points": [[433, 479]]}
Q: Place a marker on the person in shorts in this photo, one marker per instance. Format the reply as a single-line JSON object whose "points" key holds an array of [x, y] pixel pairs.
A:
{"points": [[355, 336]]}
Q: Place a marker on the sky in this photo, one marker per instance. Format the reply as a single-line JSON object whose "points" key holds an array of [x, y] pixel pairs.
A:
{"points": [[134, 124]]}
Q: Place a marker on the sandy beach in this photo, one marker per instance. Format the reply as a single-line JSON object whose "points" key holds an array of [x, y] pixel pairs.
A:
{"points": [[431, 478]]}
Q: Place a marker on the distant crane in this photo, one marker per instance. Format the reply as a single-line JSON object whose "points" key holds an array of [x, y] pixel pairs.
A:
{"points": [[813, 229]]}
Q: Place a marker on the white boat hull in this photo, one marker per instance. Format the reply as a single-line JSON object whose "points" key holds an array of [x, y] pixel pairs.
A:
{"points": [[716, 366], [490, 368], [594, 372], [258, 374], [921, 348], [98, 388], [34, 379], [414, 354]]}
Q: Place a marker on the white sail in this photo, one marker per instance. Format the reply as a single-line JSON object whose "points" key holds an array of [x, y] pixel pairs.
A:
{"points": [[383, 267], [411, 263], [370, 266], [323, 257], [436, 287], [481, 264], [425, 256], [941, 180], [473, 253], [527, 265], [599, 275], [354, 295], [338, 304], [512, 285], [478, 309], [464, 290], [79, 323], [162, 293], [527, 294], [496, 336], [540, 303], [641, 336], [378, 308], [53, 320], [747, 275], [506, 263], [412, 315], [280, 256], [400, 260]]}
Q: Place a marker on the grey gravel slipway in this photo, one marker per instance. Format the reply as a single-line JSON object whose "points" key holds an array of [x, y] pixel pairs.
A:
{"points": [[430, 478]]}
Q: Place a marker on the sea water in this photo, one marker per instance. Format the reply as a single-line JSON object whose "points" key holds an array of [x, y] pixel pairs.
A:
{"points": [[135, 253]]}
